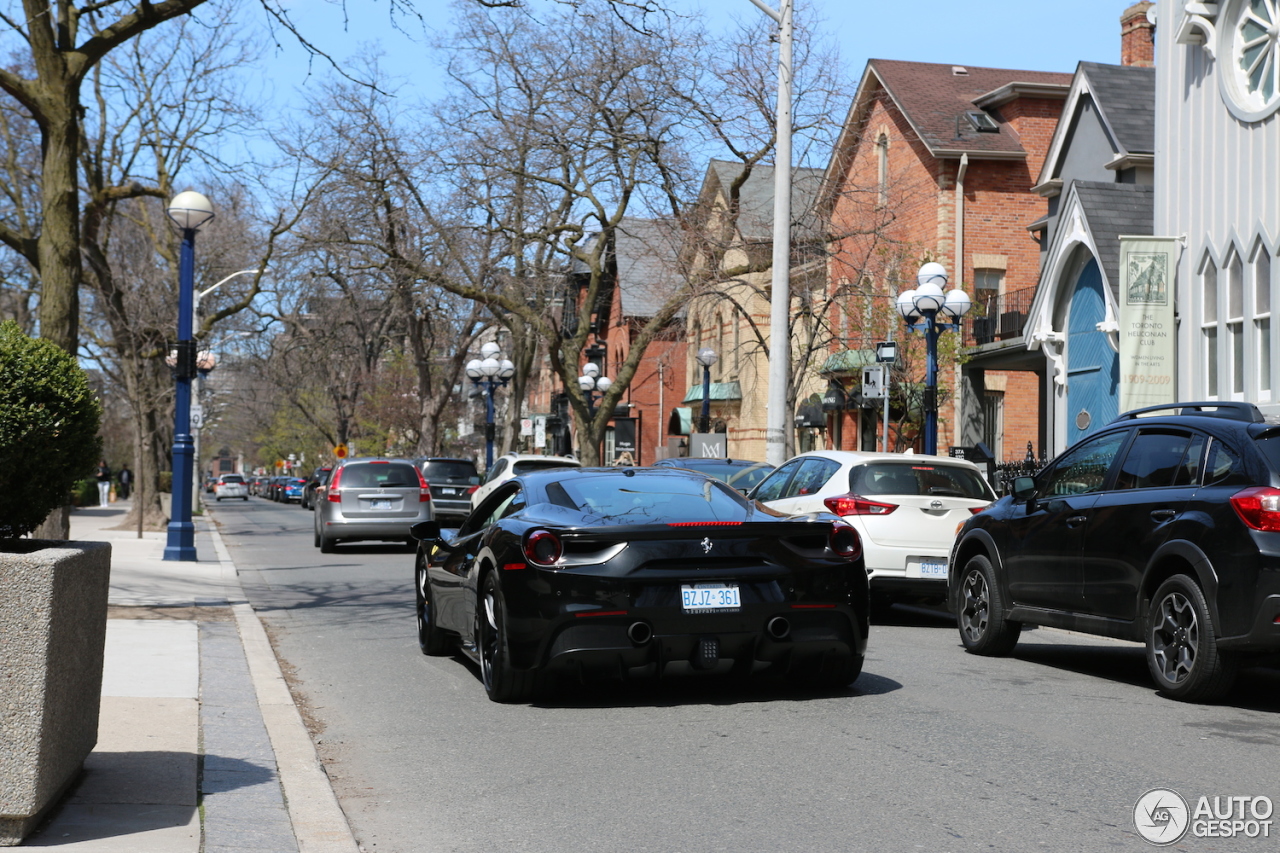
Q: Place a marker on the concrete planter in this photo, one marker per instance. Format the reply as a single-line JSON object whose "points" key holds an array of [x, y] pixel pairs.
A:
{"points": [[53, 624]]}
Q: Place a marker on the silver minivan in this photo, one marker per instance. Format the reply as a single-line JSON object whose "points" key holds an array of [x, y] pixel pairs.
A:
{"points": [[371, 499]]}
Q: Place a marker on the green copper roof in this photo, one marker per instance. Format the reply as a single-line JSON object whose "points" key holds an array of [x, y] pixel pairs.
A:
{"points": [[849, 361], [719, 391]]}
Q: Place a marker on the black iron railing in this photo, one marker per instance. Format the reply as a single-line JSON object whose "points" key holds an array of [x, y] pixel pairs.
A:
{"points": [[999, 317]]}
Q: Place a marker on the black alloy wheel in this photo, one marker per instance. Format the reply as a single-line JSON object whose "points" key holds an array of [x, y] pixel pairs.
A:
{"points": [[432, 639], [984, 630], [1182, 652], [501, 681]]}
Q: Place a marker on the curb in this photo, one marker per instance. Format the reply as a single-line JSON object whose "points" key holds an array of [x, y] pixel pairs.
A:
{"points": [[319, 824]]}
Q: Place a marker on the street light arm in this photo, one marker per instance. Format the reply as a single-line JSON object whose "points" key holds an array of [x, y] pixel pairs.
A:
{"points": [[202, 294], [768, 10]]}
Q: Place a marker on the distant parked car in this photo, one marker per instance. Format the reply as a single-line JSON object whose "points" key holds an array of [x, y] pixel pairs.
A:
{"points": [[739, 473], [452, 482], [515, 464], [319, 478], [231, 486], [372, 499], [906, 507], [291, 489]]}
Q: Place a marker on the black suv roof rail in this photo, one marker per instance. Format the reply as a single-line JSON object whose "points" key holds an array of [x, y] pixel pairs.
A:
{"points": [[1230, 409]]}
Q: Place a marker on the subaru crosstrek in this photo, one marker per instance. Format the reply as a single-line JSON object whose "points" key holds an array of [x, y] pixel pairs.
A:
{"points": [[1163, 527]]}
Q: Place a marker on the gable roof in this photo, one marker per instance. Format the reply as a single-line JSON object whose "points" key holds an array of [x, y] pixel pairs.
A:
{"points": [[755, 199], [1125, 99], [933, 99], [1112, 210], [646, 252]]}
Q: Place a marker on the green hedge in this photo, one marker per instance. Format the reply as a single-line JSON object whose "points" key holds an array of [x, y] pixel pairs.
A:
{"points": [[48, 429]]}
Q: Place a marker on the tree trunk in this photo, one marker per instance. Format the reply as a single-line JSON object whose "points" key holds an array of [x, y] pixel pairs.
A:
{"points": [[59, 242]]}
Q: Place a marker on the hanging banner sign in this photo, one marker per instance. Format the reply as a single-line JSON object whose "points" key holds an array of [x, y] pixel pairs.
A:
{"points": [[1148, 336]]}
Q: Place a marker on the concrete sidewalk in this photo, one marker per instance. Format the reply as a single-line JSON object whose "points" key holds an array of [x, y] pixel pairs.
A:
{"points": [[200, 747]]}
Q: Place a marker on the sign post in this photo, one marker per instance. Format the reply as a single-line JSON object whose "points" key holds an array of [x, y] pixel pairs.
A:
{"points": [[887, 354]]}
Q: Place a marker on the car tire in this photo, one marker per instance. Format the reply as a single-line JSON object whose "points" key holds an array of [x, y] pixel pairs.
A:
{"points": [[502, 682], [1182, 651], [980, 616], [326, 544], [432, 639], [315, 533]]}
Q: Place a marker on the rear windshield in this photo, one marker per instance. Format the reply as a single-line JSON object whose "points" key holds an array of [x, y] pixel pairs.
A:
{"points": [[640, 499], [524, 466], [913, 478], [451, 472], [379, 475], [740, 476], [233, 478]]}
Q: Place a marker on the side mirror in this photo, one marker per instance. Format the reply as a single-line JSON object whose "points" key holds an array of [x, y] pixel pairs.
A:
{"points": [[1024, 488], [425, 531]]}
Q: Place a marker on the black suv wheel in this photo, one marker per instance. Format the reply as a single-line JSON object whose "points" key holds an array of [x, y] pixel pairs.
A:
{"points": [[980, 614], [1181, 650]]}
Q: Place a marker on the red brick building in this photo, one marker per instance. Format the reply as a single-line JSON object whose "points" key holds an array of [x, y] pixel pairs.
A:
{"points": [[937, 163]]}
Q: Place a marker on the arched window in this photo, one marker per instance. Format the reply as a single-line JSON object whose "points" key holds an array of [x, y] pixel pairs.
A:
{"points": [[1262, 316], [882, 169], [1209, 324], [1235, 324]]}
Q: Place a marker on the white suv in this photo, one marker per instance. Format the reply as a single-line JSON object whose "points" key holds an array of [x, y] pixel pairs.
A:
{"points": [[515, 464], [906, 507], [231, 486]]}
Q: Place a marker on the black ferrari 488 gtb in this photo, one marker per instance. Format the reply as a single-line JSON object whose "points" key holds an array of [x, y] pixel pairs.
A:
{"points": [[640, 572]]}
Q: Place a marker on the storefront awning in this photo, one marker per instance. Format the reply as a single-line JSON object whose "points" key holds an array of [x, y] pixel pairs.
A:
{"points": [[720, 392], [681, 421], [848, 362]]}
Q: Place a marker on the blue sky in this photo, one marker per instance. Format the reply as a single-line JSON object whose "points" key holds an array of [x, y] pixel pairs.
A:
{"points": [[994, 33]]}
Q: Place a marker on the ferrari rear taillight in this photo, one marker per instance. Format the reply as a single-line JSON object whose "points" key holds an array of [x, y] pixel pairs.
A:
{"points": [[845, 541], [852, 504], [542, 548], [334, 496], [1258, 507], [424, 490], [703, 523]]}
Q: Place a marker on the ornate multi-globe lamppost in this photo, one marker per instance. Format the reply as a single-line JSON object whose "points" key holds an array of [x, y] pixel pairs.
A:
{"points": [[929, 310], [489, 373], [189, 211], [593, 385]]}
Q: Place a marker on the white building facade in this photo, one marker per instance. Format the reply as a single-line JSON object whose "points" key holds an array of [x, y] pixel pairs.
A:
{"points": [[1217, 189]]}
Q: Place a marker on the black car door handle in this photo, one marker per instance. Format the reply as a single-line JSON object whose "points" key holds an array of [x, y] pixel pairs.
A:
{"points": [[1162, 514], [1075, 520]]}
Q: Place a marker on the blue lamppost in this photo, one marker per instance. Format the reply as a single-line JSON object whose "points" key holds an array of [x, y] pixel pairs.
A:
{"points": [[593, 385], [706, 357], [189, 210], [921, 309], [488, 373]]}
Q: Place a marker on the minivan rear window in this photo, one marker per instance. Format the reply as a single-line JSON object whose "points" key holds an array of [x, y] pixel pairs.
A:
{"points": [[373, 475], [918, 478]]}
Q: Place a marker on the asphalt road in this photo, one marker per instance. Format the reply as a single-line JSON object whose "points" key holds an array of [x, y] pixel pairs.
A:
{"points": [[932, 749]]}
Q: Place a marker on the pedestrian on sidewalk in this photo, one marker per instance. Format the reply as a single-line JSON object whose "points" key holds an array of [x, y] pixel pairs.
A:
{"points": [[125, 479], [104, 483]]}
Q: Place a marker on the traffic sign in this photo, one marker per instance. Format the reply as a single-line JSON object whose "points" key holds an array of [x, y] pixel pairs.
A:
{"points": [[873, 383], [887, 352], [340, 451]]}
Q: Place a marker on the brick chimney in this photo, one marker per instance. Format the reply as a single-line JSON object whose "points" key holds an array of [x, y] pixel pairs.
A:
{"points": [[1137, 36]]}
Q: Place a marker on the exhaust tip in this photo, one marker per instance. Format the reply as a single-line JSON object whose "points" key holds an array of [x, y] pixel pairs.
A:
{"points": [[778, 628], [639, 633]]}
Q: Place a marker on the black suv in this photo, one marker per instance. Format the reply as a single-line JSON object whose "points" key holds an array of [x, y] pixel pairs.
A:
{"points": [[452, 482], [1163, 527]]}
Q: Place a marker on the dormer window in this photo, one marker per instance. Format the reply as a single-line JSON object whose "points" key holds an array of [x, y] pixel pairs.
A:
{"points": [[982, 122]]}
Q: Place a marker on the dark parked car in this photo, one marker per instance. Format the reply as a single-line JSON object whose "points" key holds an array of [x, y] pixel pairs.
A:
{"points": [[1163, 527], [640, 572], [319, 478], [452, 482], [739, 473]]}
